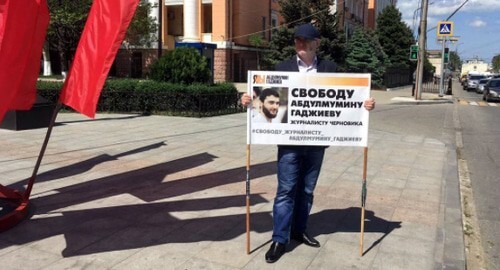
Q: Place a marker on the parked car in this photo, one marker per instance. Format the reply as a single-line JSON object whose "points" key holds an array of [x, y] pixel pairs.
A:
{"points": [[492, 90], [473, 82], [480, 87]]}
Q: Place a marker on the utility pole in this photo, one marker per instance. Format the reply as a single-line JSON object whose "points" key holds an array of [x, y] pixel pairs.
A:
{"points": [[422, 37]]}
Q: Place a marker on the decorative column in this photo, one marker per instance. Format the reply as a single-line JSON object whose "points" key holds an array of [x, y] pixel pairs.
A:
{"points": [[191, 21]]}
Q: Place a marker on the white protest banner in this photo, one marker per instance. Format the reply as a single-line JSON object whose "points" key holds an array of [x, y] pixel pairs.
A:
{"points": [[292, 108]]}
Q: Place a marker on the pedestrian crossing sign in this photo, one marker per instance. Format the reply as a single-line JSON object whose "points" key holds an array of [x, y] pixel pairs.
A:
{"points": [[445, 29]]}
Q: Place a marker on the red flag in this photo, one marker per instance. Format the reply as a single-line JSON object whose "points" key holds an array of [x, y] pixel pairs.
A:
{"points": [[104, 31], [23, 25]]}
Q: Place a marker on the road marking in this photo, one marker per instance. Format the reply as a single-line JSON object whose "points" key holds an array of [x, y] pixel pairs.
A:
{"points": [[463, 102], [477, 103]]}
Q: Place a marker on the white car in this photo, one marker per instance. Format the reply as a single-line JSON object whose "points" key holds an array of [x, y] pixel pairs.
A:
{"points": [[480, 86], [473, 82]]}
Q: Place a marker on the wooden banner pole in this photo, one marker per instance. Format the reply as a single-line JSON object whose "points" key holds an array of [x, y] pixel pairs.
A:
{"points": [[248, 199], [42, 152], [363, 201]]}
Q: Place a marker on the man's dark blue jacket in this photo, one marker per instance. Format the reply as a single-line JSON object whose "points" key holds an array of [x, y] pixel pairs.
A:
{"points": [[291, 65]]}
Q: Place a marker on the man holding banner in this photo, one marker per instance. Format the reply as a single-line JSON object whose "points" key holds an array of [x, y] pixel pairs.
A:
{"points": [[299, 165]]}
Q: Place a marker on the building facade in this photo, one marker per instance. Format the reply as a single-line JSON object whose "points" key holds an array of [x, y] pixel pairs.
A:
{"points": [[221, 29], [474, 66], [360, 13]]}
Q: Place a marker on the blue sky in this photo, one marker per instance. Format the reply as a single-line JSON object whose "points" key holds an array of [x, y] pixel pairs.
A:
{"points": [[477, 24]]}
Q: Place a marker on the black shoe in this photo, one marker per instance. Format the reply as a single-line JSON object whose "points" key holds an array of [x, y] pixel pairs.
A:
{"points": [[274, 253], [306, 239]]}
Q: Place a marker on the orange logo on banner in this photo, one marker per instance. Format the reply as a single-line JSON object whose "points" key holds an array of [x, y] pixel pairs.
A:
{"points": [[259, 79]]}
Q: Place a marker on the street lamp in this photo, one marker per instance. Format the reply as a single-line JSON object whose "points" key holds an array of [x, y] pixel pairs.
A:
{"points": [[456, 47], [415, 18]]}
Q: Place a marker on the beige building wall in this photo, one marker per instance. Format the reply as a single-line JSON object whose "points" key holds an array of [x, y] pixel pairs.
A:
{"points": [[227, 24], [233, 23], [474, 65], [250, 18], [220, 20], [436, 62]]}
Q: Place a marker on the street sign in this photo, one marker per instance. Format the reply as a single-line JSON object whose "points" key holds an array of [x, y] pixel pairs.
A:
{"points": [[445, 29], [414, 52]]}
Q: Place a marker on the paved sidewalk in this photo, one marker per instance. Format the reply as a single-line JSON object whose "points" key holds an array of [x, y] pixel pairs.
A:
{"points": [[157, 192]]}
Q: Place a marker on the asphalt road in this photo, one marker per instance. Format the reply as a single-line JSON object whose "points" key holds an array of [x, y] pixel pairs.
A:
{"points": [[481, 141]]}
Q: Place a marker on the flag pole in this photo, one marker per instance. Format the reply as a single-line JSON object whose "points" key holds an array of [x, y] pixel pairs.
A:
{"points": [[42, 152], [363, 201], [248, 198]]}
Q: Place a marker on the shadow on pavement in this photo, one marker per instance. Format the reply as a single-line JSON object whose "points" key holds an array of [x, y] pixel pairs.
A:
{"points": [[148, 183], [94, 230], [335, 220], [349, 220], [104, 229], [83, 166]]}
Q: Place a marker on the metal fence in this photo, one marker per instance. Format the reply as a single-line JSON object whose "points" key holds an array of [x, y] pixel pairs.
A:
{"points": [[397, 77], [430, 87]]}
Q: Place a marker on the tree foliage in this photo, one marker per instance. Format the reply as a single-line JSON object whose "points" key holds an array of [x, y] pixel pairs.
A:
{"points": [[395, 37], [454, 62], [296, 12], [495, 62], [280, 47], [429, 68], [67, 20], [143, 28], [182, 65], [257, 41], [365, 55]]}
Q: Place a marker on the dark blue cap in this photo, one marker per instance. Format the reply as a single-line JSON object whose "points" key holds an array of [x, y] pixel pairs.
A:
{"points": [[306, 31]]}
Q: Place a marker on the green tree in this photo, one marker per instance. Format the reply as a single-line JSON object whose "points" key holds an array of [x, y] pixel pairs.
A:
{"points": [[258, 42], [68, 20], [333, 41], [429, 69], [495, 62], [280, 47], [365, 55], [182, 65], [455, 63], [296, 12], [395, 37], [143, 28]]}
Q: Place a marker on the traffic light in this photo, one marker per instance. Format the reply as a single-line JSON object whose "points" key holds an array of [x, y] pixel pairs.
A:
{"points": [[414, 52], [446, 55]]}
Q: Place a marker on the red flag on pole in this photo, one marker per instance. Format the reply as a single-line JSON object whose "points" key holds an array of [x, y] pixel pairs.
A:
{"points": [[23, 25], [102, 36]]}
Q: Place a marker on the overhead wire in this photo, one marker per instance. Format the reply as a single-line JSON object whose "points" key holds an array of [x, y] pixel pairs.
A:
{"points": [[276, 27], [449, 17], [286, 24]]}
